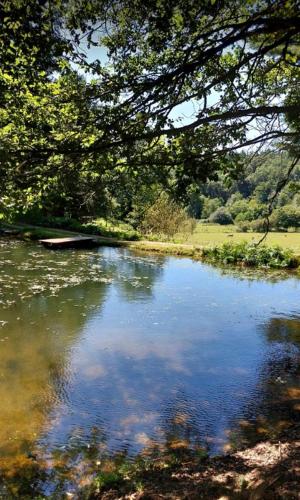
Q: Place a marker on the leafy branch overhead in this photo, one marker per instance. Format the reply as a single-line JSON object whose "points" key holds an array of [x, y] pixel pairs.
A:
{"points": [[236, 61], [95, 87]]}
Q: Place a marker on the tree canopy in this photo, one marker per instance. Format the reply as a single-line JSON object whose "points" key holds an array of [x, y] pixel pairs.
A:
{"points": [[75, 125], [167, 53]]}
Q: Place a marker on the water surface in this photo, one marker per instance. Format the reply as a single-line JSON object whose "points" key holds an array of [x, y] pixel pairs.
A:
{"points": [[114, 351]]}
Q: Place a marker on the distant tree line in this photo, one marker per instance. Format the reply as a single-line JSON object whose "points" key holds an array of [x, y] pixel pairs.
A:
{"points": [[246, 202]]}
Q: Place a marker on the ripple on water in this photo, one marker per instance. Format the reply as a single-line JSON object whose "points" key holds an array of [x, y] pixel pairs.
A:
{"points": [[103, 351]]}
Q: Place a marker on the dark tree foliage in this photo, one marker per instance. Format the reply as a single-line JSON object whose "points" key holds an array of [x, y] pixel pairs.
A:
{"points": [[66, 137]]}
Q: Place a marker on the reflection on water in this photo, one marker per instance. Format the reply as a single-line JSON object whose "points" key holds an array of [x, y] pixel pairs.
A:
{"points": [[103, 351], [277, 403]]}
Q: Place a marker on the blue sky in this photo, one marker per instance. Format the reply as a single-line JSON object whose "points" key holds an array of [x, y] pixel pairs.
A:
{"points": [[183, 114]]}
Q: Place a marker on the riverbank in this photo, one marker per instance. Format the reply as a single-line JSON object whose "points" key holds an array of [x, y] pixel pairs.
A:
{"points": [[204, 235], [270, 471], [229, 253], [35, 233]]}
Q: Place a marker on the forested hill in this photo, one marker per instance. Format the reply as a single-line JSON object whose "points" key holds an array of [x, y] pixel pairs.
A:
{"points": [[247, 200]]}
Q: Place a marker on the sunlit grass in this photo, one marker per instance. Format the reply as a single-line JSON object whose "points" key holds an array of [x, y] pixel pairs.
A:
{"points": [[215, 234]]}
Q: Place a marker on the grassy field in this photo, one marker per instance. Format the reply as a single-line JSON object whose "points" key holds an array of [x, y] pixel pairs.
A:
{"points": [[205, 235], [215, 234]]}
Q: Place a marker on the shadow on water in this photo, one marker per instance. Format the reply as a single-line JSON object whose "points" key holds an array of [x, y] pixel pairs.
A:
{"points": [[276, 407], [35, 368], [108, 354]]}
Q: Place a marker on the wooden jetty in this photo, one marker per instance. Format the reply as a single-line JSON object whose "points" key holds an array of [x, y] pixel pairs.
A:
{"points": [[72, 242]]}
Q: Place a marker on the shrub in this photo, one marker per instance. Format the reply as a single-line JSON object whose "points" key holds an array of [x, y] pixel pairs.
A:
{"points": [[165, 217], [249, 210], [221, 216], [209, 206], [255, 226], [251, 255], [285, 217], [110, 228], [243, 226], [259, 226], [237, 207]]}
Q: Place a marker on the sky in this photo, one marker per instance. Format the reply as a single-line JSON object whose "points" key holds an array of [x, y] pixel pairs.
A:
{"points": [[183, 114]]}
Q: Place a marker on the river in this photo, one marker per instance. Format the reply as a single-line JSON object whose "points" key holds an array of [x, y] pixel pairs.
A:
{"points": [[109, 350]]}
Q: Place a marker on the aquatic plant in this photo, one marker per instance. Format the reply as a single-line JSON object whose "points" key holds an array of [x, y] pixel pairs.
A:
{"points": [[251, 255]]}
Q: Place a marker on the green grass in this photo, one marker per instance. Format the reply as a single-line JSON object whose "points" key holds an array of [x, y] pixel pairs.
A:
{"points": [[99, 226], [35, 233], [41, 233], [214, 234]]}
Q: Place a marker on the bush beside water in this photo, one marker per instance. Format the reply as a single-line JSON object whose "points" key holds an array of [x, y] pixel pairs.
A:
{"points": [[251, 255], [165, 218]]}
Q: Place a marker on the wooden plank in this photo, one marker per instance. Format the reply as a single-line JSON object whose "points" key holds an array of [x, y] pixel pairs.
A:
{"points": [[73, 242]]}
